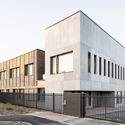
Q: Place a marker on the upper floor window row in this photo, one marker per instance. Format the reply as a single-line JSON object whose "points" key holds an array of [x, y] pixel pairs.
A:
{"points": [[15, 72], [109, 68], [61, 63]]}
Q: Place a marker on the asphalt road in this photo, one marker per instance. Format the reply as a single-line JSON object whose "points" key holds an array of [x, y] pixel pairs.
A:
{"points": [[30, 119]]}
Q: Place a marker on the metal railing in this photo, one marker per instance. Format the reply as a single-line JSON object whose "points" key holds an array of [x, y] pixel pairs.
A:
{"points": [[51, 102], [106, 108], [101, 107]]}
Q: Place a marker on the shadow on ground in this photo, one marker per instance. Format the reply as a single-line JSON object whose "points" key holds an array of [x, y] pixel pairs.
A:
{"points": [[30, 119]]}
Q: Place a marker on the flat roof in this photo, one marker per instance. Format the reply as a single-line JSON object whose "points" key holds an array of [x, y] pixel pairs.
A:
{"points": [[89, 19], [21, 55]]}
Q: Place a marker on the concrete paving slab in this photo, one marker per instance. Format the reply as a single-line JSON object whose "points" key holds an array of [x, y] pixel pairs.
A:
{"points": [[88, 121], [72, 120]]}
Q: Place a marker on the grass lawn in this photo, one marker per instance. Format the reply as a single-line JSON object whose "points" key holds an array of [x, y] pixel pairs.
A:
{"points": [[9, 109], [7, 106]]}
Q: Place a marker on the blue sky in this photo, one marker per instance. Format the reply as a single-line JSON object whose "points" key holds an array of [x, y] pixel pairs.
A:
{"points": [[22, 22]]}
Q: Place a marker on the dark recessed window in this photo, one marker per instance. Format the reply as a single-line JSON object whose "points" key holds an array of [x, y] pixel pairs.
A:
{"points": [[115, 71], [89, 62], [112, 70], [26, 70], [108, 68], [104, 67], [95, 64], [100, 65], [118, 72], [11, 73], [121, 73]]}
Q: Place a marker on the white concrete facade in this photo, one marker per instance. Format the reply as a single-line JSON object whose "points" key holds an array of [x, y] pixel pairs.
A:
{"points": [[78, 33]]}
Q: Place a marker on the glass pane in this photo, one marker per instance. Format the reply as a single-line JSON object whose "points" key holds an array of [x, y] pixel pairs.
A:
{"points": [[31, 69], [14, 73], [66, 63], [18, 72], [5, 76], [53, 65]]}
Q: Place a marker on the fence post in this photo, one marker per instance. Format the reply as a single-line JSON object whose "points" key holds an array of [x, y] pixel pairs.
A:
{"points": [[82, 105], [23, 99], [36, 99], [105, 106], [53, 102]]}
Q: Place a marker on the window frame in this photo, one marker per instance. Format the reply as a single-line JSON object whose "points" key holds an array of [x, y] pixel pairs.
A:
{"points": [[57, 63]]}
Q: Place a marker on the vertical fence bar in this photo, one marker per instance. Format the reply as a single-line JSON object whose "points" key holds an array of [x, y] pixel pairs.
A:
{"points": [[82, 105], [36, 99], [53, 102], [105, 106]]}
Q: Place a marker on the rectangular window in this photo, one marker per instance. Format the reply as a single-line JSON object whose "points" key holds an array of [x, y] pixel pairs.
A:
{"points": [[118, 72], [41, 93], [108, 68], [115, 71], [10, 73], [54, 65], [65, 63], [18, 72], [95, 64], [119, 97], [26, 70], [30, 67], [100, 66], [62, 63], [121, 73], [104, 67], [112, 70], [89, 62]]}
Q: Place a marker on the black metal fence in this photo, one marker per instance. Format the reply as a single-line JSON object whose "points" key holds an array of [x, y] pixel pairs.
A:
{"points": [[106, 108], [100, 107], [51, 102]]}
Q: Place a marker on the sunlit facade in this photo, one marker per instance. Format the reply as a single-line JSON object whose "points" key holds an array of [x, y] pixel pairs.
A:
{"points": [[23, 74], [82, 57]]}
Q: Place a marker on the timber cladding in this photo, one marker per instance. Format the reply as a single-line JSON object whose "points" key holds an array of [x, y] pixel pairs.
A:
{"points": [[13, 72]]}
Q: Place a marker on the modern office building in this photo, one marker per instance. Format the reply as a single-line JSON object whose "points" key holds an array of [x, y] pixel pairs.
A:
{"points": [[81, 56], [23, 74]]}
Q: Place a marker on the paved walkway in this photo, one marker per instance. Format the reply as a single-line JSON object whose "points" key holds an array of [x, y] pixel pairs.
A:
{"points": [[72, 120]]}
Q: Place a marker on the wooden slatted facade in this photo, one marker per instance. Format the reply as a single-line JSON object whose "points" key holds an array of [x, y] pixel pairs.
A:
{"points": [[23, 83]]}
